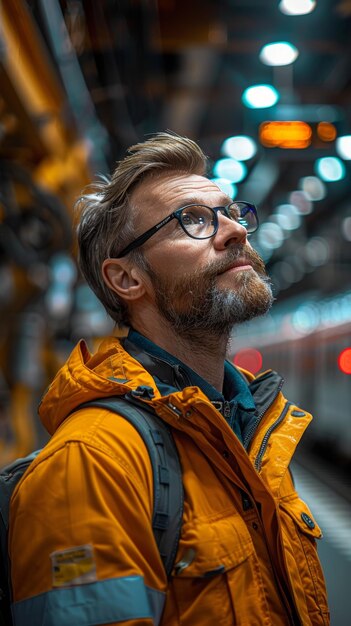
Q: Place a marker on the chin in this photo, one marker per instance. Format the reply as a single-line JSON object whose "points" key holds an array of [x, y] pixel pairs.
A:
{"points": [[258, 296], [254, 292]]}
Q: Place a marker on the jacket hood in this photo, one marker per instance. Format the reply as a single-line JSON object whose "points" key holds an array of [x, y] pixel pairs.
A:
{"points": [[86, 376]]}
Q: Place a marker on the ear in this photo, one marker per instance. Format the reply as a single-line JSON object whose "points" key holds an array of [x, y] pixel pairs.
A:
{"points": [[124, 280]]}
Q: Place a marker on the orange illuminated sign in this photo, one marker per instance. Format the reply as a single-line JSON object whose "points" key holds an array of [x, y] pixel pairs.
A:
{"points": [[326, 131], [285, 134]]}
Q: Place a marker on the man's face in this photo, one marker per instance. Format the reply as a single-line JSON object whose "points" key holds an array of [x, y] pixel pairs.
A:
{"points": [[199, 285]]}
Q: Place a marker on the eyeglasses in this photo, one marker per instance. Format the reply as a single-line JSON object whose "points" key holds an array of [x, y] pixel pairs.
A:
{"points": [[201, 222]]}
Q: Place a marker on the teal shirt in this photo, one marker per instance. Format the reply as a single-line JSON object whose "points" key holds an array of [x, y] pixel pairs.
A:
{"points": [[236, 403]]}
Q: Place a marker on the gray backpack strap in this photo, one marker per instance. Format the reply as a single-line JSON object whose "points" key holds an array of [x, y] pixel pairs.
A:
{"points": [[167, 471], [9, 477]]}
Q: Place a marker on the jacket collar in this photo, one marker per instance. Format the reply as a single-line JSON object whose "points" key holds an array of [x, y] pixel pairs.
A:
{"points": [[176, 375], [237, 405]]}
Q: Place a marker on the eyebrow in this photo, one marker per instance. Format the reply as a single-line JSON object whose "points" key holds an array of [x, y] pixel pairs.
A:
{"points": [[194, 200]]}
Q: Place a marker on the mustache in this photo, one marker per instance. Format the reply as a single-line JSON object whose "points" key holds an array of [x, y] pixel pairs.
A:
{"points": [[241, 252]]}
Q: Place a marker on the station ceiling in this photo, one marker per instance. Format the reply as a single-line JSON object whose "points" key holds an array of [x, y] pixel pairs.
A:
{"points": [[183, 65]]}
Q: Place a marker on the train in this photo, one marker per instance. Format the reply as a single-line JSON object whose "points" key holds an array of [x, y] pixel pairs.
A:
{"points": [[309, 344]]}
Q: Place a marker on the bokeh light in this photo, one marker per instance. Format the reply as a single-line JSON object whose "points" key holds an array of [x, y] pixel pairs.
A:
{"points": [[343, 147], [297, 7], [278, 53], [288, 216], [230, 169], [270, 235], [330, 169], [260, 96], [344, 361], [317, 251], [239, 147], [301, 201], [346, 228], [313, 188], [249, 359], [326, 131]]}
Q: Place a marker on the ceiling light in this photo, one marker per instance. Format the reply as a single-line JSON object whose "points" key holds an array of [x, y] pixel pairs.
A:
{"points": [[343, 147], [230, 169], [330, 169], [260, 96], [346, 228], [301, 201], [239, 147], [313, 188], [297, 7], [278, 53], [317, 251], [285, 134], [270, 235], [326, 131], [288, 216]]}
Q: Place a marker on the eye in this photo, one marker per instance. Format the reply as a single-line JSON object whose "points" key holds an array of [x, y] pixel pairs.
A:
{"points": [[196, 214], [193, 217]]}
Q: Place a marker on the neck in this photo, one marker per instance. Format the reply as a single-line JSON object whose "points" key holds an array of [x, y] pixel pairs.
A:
{"points": [[204, 353]]}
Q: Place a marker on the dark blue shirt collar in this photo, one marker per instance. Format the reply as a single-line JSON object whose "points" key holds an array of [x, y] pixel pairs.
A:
{"points": [[236, 397]]}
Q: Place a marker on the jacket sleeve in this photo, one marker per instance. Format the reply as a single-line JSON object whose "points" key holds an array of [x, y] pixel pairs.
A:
{"points": [[81, 543]]}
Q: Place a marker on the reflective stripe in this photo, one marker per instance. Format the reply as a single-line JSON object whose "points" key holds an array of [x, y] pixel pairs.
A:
{"points": [[102, 602], [157, 602]]}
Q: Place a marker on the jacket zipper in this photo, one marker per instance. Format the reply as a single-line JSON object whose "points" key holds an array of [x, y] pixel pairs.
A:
{"points": [[263, 446], [293, 619], [186, 561], [250, 433]]}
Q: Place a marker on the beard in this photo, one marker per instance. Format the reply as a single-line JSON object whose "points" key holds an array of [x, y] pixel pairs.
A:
{"points": [[195, 305]]}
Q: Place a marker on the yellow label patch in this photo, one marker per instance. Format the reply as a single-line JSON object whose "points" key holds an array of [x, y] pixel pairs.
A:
{"points": [[73, 566]]}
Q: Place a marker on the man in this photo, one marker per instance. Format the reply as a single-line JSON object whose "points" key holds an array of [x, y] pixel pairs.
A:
{"points": [[167, 253]]}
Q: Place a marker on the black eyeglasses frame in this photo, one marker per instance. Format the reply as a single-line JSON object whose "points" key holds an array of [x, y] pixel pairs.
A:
{"points": [[139, 241]]}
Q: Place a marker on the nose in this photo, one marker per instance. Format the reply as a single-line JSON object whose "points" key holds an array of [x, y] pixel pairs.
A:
{"points": [[229, 232]]}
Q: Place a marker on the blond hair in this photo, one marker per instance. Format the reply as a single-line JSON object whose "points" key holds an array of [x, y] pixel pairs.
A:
{"points": [[105, 215]]}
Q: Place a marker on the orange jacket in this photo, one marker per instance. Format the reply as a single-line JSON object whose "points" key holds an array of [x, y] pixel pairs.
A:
{"points": [[81, 543]]}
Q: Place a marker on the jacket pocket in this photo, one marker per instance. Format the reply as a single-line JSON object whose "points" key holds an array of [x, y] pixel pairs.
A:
{"points": [[300, 531], [216, 579]]}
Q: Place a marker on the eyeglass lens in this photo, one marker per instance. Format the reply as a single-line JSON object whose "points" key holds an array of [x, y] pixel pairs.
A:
{"points": [[244, 214], [198, 220]]}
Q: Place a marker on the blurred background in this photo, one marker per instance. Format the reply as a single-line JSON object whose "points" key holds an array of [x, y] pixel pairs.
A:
{"points": [[265, 87]]}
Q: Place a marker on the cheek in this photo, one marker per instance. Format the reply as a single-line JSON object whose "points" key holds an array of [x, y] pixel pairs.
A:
{"points": [[179, 258]]}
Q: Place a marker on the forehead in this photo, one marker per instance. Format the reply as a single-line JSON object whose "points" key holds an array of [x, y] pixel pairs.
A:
{"points": [[166, 193]]}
